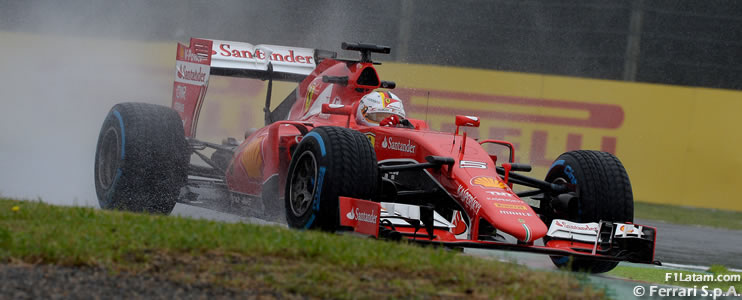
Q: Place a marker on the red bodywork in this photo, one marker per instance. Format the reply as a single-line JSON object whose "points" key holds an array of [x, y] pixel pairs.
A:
{"points": [[472, 180], [481, 192]]}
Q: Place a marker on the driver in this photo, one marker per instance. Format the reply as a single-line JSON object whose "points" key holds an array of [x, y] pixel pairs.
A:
{"points": [[381, 109]]}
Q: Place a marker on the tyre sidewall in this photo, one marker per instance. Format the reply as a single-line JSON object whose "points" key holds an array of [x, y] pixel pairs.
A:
{"points": [[346, 166], [106, 198], [310, 218]]}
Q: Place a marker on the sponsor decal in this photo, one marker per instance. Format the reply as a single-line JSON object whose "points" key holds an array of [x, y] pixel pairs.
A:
{"points": [[360, 216], [488, 182], [629, 229], [515, 213], [191, 73], [390, 144], [501, 194], [468, 199], [505, 199], [571, 174], [235, 51], [193, 57], [179, 107], [521, 221], [472, 164], [511, 206], [371, 138], [576, 226], [180, 92], [391, 175]]}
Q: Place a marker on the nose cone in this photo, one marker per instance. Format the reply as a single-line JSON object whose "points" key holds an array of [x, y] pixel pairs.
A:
{"points": [[508, 213], [522, 222]]}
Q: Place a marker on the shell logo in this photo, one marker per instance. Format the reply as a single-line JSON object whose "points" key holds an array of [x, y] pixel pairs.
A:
{"points": [[488, 182], [623, 229]]}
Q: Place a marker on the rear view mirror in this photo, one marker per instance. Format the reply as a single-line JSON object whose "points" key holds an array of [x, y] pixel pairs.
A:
{"points": [[509, 150]]}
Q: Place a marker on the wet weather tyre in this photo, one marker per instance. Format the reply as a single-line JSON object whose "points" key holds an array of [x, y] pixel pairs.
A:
{"points": [[141, 159], [603, 192], [328, 162]]}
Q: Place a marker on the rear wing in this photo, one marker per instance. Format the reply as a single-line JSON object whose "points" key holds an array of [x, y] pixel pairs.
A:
{"points": [[195, 63]]}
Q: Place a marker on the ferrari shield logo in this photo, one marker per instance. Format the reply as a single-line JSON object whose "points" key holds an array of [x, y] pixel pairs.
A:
{"points": [[371, 138]]}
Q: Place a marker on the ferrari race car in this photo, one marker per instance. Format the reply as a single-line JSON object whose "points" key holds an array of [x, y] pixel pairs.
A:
{"points": [[313, 166]]}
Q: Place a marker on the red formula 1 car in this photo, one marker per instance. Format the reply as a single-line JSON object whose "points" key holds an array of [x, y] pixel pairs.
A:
{"points": [[314, 166]]}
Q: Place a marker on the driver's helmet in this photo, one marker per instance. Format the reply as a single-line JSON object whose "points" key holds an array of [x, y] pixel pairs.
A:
{"points": [[377, 106]]}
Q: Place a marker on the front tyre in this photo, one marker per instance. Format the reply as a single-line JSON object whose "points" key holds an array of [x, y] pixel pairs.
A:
{"points": [[328, 162], [141, 159], [603, 192]]}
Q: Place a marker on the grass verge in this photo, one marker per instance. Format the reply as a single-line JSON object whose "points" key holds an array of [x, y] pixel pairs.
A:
{"points": [[668, 277], [245, 256], [688, 215]]}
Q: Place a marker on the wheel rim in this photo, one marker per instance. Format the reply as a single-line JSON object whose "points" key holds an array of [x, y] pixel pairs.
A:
{"points": [[569, 214], [108, 157], [303, 183]]}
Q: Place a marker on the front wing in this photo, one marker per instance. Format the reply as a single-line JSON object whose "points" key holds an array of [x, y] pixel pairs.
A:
{"points": [[603, 240]]}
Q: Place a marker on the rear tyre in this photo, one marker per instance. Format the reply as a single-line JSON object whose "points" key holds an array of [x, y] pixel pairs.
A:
{"points": [[141, 160], [328, 162], [603, 192]]}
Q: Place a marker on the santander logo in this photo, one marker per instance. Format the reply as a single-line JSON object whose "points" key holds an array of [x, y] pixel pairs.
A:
{"points": [[575, 226], [362, 216], [194, 75], [390, 144]]}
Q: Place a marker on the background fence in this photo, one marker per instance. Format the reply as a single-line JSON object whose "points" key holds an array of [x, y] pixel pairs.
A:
{"points": [[693, 43]]}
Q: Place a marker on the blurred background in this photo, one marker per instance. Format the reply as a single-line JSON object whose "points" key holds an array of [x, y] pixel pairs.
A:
{"points": [[654, 82]]}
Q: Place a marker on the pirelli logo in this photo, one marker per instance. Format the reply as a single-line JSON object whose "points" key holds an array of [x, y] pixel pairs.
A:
{"points": [[595, 123], [511, 206]]}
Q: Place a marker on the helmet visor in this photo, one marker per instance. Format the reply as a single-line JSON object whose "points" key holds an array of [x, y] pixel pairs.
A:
{"points": [[379, 116]]}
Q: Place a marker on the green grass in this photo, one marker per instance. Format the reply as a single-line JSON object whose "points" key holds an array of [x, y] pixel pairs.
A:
{"points": [[688, 215], [658, 275], [244, 256]]}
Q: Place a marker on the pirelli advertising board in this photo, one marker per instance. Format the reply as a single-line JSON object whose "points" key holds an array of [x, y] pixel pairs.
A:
{"points": [[679, 144]]}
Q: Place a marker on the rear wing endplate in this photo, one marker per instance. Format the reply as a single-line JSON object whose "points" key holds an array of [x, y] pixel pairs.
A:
{"points": [[202, 58]]}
